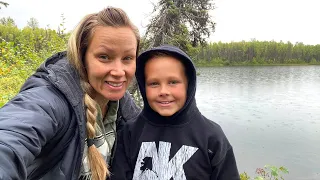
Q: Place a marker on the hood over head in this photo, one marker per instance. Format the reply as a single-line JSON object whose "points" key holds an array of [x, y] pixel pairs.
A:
{"points": [[190, 70]]}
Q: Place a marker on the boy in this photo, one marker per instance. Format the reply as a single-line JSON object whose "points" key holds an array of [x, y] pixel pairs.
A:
{"points": [[171, 139]]}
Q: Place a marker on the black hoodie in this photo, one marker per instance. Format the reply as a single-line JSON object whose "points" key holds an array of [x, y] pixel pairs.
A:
{"points": [[185, 145]]}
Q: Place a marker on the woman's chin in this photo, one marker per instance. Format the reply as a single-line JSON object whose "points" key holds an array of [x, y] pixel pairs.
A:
{"points": [[114, 96]]}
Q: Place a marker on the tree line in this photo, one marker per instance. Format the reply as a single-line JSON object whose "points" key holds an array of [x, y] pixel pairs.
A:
{"points": [[256, 53]]}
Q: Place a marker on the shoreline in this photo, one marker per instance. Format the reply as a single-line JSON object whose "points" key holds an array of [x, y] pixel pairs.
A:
{"points": [[234, 65]]}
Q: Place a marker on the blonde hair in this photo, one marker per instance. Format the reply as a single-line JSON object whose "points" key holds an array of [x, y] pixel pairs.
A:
{"points": [[77, 46]]}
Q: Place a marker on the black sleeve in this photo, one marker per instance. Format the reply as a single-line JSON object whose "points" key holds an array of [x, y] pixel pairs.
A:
{"points": [[121, 168], [226, 169], [128, 108], [223, 162]]}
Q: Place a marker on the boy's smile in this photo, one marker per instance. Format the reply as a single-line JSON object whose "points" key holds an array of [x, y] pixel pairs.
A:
{"points": [[165, 103], [166, 84]]}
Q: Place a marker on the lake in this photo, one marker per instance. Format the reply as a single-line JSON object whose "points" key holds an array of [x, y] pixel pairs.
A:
{"points": [[270, 114]]}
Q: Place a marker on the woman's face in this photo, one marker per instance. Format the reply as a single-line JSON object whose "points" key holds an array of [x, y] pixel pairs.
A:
{"points": [[110, 61]]}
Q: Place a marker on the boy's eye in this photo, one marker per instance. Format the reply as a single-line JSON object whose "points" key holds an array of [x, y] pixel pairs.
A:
{"points": [[153, 84], [174, 82]]}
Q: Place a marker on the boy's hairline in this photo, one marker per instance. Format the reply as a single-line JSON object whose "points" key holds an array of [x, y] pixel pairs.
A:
{"points": [[164, 53]]}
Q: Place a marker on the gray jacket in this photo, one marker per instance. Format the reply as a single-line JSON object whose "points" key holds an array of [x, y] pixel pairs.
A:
{"points": [[43, 128]]}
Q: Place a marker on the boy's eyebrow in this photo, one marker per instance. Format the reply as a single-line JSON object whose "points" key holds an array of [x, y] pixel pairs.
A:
{"points": [[151, 79], [169, 78]]}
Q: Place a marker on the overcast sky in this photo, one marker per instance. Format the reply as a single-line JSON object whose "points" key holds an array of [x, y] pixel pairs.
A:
{"points": [[286, 20]]}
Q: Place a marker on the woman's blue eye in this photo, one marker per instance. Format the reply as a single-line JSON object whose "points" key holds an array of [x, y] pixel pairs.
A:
{"points": [[104, 57], [127, 58]]}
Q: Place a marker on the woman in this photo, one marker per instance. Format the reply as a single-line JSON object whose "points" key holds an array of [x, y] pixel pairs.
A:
{"points": [[63, 122]]}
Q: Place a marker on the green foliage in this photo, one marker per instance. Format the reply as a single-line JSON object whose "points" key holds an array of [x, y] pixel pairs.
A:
{"points": [[9, 87], [8, 21], [313, 61], [61, 28], [244, 176], [21, 53], [267, 173], [33, 23], [255, 53]]}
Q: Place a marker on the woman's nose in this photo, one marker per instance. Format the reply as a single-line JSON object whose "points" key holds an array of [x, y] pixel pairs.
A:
{"points": [[117, 68]]}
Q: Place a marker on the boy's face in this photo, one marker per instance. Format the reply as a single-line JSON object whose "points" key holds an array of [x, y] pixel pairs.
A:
{"points": [[166, 85]]}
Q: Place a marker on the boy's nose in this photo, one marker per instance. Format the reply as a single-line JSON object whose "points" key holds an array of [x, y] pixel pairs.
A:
{"points": [[164, 91]]}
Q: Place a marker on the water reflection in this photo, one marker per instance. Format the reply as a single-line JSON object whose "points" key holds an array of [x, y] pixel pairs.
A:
{"points": [[271, 115]]}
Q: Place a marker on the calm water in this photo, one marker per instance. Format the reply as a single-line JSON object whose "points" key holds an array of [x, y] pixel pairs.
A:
{"points": [[271, 115]]}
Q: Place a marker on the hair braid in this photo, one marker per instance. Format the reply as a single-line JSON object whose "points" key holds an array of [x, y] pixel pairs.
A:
{"points": [[97, 163]]}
